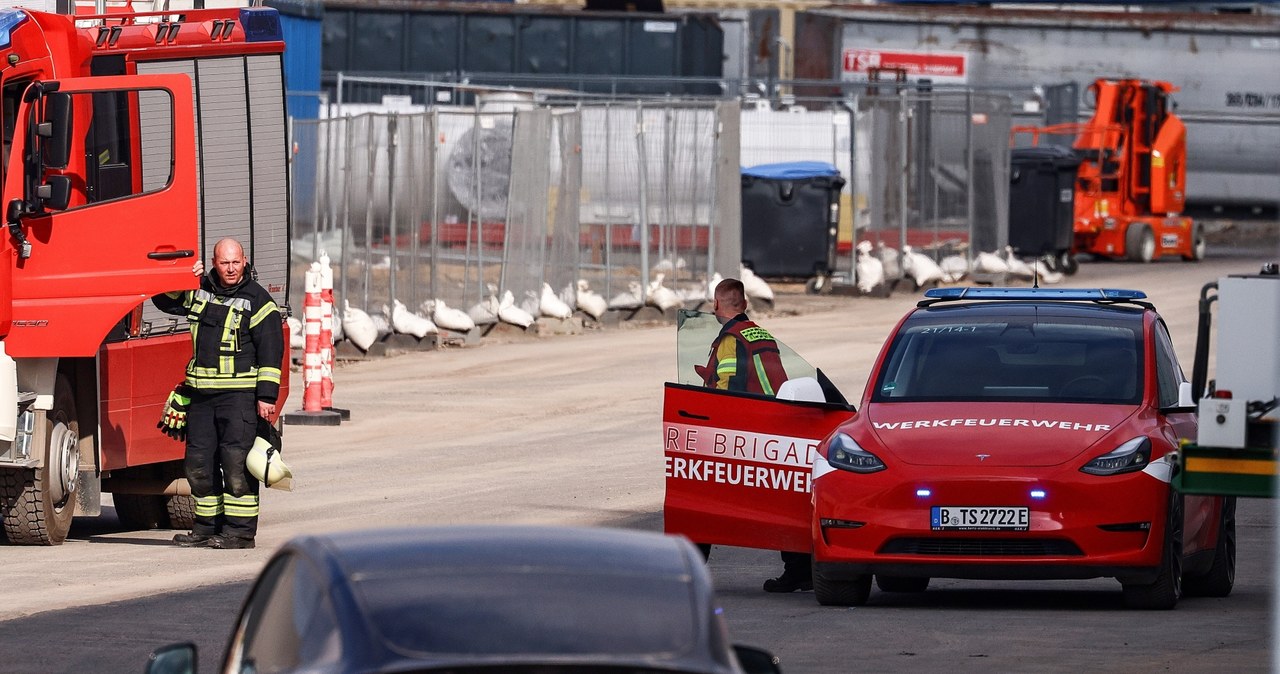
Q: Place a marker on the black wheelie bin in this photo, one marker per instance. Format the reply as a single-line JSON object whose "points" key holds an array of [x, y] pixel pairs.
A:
{"points": [[790, 213], [1042, 200]]}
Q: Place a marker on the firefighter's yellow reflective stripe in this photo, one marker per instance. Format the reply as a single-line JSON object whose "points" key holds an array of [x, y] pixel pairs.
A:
{"points": [[240, 506], [223, 384], [217, 373], [271, 374], [226, 364], [208, 506], [756, 334], [762, 376], [727, 366], [235, 302], [262, 313]]}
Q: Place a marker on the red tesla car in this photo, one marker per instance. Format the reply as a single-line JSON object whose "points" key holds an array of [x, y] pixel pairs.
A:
{"points": [[1005, 433]]}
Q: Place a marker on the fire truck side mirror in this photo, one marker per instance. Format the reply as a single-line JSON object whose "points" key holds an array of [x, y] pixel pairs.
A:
{"points": [[56, 193], [56, 130], [13, 213]]}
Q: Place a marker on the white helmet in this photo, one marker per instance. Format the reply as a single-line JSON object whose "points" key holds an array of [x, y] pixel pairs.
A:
{"points": [[264, 460]]}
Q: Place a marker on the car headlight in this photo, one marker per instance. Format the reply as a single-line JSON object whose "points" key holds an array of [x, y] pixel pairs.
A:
{"points": [[1132, 455], [845, 454]]}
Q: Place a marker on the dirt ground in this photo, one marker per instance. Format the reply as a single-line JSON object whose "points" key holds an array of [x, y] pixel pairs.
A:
{"points": [[557, 430]]}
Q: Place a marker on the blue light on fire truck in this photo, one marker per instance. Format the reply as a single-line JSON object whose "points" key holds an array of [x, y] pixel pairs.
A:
{"points": [[261, 24], [10, 19]]}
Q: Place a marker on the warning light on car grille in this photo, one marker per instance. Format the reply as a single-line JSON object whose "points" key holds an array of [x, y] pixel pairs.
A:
{"points": [[924, 492], [1037, 493]]}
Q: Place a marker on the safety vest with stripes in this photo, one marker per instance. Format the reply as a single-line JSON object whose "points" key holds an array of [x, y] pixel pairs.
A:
{"points": [[237, 341], [745, 357]]}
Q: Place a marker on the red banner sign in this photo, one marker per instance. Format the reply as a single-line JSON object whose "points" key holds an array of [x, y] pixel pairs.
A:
{"points": [[939, 67]]}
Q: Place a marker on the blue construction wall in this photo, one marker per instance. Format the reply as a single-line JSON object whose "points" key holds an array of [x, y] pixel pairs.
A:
{"points": [[301, 22]]}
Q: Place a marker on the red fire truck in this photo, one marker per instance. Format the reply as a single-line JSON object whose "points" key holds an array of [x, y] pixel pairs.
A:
{"points": [[132, 143]]}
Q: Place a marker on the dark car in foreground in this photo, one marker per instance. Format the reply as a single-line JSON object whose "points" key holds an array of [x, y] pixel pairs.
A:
{"points": [[470, 599]]}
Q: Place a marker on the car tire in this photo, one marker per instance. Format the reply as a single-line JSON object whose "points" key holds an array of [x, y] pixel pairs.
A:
{"points": [[901, 584], [832, 592], [141, 512], [1163, 594], [1139, 243], [1221, 576]]}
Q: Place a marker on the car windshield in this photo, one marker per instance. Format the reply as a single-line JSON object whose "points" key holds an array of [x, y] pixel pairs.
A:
{"points": [[1033, 356], [513, 611]]}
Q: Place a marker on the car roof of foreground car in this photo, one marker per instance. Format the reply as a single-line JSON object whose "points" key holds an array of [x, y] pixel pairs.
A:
{"points": [[1095, 295], [527, 595]]}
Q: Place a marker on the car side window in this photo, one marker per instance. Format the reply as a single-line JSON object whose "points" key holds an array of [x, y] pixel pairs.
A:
{"points": [[1168, 372], [288, 623]]}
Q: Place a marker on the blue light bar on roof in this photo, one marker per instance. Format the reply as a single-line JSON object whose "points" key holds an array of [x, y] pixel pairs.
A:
{"points": [[1065, 294], [261, 24]]}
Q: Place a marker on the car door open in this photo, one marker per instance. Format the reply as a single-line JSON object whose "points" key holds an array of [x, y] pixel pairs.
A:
{"points": [[738, 465]]}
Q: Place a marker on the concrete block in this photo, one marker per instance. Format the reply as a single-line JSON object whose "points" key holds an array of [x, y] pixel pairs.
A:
{"points": [[545, 326], [397, 342], [468, 338], [345, 350]]}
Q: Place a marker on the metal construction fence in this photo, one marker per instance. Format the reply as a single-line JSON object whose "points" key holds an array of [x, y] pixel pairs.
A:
{"points": [[458, 204], [416, 201]]}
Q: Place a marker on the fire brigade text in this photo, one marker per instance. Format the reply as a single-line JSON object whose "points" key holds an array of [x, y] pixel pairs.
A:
{"points": [[716, 442], [760, 477]]}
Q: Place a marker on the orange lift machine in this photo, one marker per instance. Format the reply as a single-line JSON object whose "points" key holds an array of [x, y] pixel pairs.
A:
{"points": [[1130, 187]]}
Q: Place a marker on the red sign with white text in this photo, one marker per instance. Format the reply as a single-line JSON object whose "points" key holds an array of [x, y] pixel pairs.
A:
{"points": [[936, 66]]}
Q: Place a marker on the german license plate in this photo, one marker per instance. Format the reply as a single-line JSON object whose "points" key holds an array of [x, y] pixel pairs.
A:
{"points": [[979, 518]]}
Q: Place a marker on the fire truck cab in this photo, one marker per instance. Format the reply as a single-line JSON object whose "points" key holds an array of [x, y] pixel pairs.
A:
{"points": [[132, 143]]}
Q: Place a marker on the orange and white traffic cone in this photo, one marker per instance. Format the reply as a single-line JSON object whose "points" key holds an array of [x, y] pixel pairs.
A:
{"points": [[313, 412], [326, 338]]}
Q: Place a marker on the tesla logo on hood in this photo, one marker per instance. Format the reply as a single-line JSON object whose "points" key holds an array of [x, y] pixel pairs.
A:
{"points": [[982, 457]]}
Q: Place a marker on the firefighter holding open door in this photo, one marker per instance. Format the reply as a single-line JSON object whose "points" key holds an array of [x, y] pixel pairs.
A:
{"points": [[745, 357], [232, 380]]}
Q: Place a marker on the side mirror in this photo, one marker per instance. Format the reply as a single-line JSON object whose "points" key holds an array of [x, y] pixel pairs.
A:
{"points": [[754, 660], [173, 659], [13, 212], [1186, 401], [1186, 397], [56, 193], [56, 130]]}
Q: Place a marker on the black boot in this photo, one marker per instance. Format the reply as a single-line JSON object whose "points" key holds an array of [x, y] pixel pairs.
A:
{"points": [[231, 543], [788, 583], [193, 540]]}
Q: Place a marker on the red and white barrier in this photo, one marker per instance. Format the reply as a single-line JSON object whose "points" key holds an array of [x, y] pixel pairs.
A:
{"points": [[317, 357]]}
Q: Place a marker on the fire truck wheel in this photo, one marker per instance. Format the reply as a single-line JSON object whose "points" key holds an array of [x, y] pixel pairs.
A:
{"points": [[141, 511], [1140, 243], [1197, 244], [182, 511], [39, 504]]}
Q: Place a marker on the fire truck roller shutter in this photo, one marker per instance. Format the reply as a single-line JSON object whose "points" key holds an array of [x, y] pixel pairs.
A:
{"points": [[241, 163]]}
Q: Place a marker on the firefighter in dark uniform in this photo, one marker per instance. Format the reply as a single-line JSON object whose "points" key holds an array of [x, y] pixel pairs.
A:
{"points": [[232, 379], [745, 357]]}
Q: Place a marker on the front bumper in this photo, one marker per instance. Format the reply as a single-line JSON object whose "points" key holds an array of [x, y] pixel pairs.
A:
{"points": [[1083, 526]]}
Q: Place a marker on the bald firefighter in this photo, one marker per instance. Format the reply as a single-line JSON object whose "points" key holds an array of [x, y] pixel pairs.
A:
{"points": [[233, 378]]}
